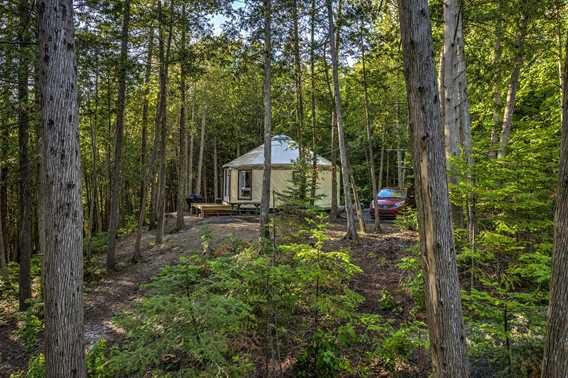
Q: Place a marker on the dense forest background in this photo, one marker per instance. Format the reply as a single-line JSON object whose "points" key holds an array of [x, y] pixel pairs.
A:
{"points": [[173, 90]]}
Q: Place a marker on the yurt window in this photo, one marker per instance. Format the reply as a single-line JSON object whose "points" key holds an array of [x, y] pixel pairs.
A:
{"points": [[245, 185]]}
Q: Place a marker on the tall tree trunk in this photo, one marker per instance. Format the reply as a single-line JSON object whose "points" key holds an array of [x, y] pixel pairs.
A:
{"points": [[443, 305], [198, 182], [314, 177], [559, 39], [465, 124], [370, 149], [149, 168], [63, 260], [450, 88], [182, 159], [555, 362], [190, 154], [94, 158], [345, 167], [215, 171], [513, 86], [145, 115], [300, 115], [497, 101], [116, 182], [451, 99], [334, 194], [25, 168], [267, 96], [161, 202], [3, 259]]}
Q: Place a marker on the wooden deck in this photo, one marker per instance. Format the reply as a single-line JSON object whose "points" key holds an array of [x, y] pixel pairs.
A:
{"points": [[209, 209], [204, 210]]}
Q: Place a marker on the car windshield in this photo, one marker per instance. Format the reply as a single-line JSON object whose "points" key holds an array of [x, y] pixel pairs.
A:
{"points": [[392, 193]]}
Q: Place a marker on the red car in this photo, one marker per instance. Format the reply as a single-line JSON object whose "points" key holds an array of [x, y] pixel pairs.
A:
{"points": [[391, 201]]}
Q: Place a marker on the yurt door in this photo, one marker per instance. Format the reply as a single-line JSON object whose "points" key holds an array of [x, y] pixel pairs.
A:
{"points": [[227, 186]]}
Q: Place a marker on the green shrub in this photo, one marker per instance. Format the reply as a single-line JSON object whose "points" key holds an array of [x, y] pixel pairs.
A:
{"points": [[407, 220]]}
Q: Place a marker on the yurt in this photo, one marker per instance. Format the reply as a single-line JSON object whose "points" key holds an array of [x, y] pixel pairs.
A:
{"points": [[242, 177]]}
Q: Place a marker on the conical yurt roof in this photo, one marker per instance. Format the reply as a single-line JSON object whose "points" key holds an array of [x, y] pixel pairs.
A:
{"points": [[285, 152]]}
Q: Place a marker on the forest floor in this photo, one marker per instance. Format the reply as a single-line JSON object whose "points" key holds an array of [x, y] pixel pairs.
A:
{"points": [[112, 293]]}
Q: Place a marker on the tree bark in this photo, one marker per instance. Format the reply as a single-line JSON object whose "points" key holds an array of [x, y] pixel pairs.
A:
{"points": [[300, 114], [369, 129], [215, 171], [182, 169], [191, 138], [25, 169], [198, 182], [94, 157], [3, 259], [497, 101], [443, 305], [116, 178], [145, 116], [161, 202], [314, 184], [450, 75], [267, 98], [345, 167], [63, 260], [559, 37], [513, 86], [555, 362], [334, 194]]}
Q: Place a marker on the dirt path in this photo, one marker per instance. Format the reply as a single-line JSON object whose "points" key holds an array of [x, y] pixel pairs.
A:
{"points": [[119, 290], [378, 255]]}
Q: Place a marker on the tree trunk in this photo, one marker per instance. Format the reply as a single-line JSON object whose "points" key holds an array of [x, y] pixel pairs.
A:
{"points": [[314, 183], [513, 86], [149, 168], [497, 81], [300, 115], [63, 260], [443, 305], [358, 208], [182, 159], [145, 115], [267, 96], [465, 124], [161, 202], [370, 149], [191, 138], [116, 182], [198, 182], [94, 157], [561, 76], [334, 194], [555, 362], [345, 167], [450, 75], [3, 259], [215, 172], [25, 198]]}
